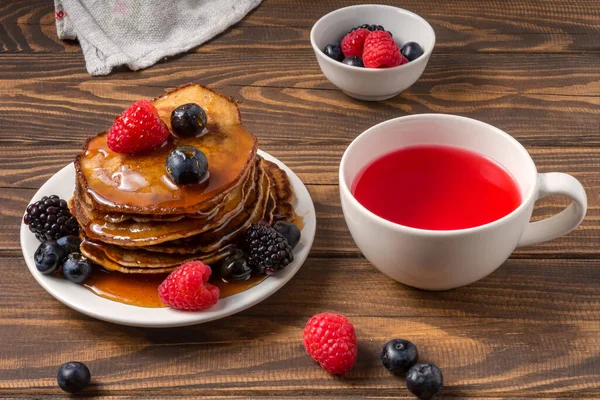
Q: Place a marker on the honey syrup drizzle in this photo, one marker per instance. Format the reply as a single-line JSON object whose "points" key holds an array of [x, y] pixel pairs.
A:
{"points": [[142, 289]]}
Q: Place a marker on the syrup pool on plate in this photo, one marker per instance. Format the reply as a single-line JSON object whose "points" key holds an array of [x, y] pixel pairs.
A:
{"points": [[437, 188], [142, 289]]}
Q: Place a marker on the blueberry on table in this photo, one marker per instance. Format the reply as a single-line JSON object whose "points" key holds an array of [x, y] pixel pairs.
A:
{"points": [[48, 257], [289, 231], [235, 267], [398, 355], [187, 165], [424, 381], [77, 268], [73, 377], [333, 50], [412, 51], [70, 244], [189, 120], [353, 61]]}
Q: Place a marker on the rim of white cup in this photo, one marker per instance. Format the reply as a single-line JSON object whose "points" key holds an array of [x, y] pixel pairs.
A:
{"points": [[424, 56], [345, 190]]}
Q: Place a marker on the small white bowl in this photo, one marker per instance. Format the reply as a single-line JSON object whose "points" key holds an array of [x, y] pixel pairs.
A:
{"points": [[372, 83]]}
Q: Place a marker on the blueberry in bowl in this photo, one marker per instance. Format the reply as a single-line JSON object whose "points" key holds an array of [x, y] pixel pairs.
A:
{"points": [[333, 51], [353, 61]]}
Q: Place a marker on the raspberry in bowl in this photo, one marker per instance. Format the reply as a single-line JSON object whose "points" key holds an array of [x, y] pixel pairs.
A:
{"points": [[372, 52]]}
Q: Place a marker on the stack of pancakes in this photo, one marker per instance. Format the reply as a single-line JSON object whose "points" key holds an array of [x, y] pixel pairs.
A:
{"points": [[134, 219]]}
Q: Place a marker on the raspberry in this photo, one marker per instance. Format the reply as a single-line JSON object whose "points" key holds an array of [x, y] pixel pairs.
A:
{"points": [[187, 289], [352, 43], [138, 128], [331, 341], [380, 51]]}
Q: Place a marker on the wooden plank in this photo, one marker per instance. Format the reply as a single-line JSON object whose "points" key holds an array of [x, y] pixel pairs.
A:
{"points": [[464, 26], [494, 338], [462, 77], [70, 112]]}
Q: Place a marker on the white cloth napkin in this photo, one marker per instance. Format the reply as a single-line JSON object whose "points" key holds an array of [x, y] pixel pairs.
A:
{"points": [[138, 33]]}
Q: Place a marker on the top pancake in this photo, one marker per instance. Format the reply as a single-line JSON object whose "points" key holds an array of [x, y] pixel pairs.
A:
{"points": [[138, 184]]}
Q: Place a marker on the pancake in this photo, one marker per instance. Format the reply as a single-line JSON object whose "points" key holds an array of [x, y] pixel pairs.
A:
{"points": [[133, 233], [138, 183], [210, 241], [154, 259], [108, 255], [134, 219], [282, 191]]}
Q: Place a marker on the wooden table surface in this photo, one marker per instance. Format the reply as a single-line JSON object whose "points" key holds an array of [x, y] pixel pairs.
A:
{"points": [[529, 330]]}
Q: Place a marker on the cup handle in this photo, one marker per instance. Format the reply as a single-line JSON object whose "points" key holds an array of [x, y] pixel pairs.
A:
{"points": [[563, 222]]}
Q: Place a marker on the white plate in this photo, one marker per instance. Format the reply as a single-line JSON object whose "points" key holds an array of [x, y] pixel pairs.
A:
{"points": [[86, 302]]}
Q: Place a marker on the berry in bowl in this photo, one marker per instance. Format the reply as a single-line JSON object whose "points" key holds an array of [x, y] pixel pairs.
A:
{"points": [[372, 52]]}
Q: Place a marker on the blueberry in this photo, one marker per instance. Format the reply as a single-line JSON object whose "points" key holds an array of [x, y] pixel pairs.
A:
{"points": [[73, 377], [187, 165], [289, 231], [411, 50], [188, 120], [48, 257], [333, 50], [70, 244], [77, 268], [364, 26], [372, 28], [235, 267], [424, 381], [353, 61], [398, 355]]}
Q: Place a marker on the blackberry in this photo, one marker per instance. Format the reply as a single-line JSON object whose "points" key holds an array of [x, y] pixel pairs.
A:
{"points": [[371, 28], [267, 249], [50, 219]]}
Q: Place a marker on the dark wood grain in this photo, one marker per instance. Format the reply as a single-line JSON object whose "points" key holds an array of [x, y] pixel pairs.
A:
{"points": [[529, 330], [540, 103], [468, 25], [473, 333]]}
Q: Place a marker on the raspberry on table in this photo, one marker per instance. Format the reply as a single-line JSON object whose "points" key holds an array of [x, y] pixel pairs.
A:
{"points": [[352, 43], [380, 51], [138, 128], [330, 340], [187, 288]]}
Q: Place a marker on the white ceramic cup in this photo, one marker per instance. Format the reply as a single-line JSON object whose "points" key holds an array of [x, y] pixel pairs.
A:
{"points": [[372, 84], [440, 260]]}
